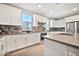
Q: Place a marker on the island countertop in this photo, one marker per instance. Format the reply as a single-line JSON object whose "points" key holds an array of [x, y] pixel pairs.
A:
{"points": [[72, 40]]}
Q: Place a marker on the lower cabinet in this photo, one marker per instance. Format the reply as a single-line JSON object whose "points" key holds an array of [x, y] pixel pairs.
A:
{"points": [[53, 48], [32, 39], [29, 40], [2, 46], [10, 43], [20, 41], [36, 38], [14, 42]]}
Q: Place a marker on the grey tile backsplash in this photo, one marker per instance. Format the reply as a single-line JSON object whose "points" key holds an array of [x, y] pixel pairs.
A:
{"points": [[7, 29]]}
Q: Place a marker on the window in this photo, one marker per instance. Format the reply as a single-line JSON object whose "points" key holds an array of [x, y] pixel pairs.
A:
{"points": [[27, 22]]}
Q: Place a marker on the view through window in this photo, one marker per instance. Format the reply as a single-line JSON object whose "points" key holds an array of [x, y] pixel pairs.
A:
{"points": [[27, 22]]}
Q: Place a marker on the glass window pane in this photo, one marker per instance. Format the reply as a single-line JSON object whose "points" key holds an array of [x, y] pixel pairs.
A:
{"points": [[27, 22]]}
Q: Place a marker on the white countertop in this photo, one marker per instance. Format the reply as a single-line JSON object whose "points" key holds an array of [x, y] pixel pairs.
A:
{"points": [[67, 39]]}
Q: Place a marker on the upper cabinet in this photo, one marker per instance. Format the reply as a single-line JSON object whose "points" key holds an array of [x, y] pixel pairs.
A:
{"points": [[57, 23], [16, 16], [5, 13], [69, 19], [76, 18], [72, 18], [10, 15]]}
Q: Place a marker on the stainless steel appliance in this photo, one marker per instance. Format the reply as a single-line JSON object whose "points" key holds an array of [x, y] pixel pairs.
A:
{"points": [[72, 27]]}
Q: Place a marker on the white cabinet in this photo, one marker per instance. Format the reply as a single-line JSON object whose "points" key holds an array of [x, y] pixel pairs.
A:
{"points": [[14, 42], [36, 38], [72, 18], [57, 23], [2, 46], [29, 39], [76, 18], [32, 39], [10, 15], [54, 48], [20, 41], [69, 19], [5, 13], [60, 23], [10, 43], [16, 16]]}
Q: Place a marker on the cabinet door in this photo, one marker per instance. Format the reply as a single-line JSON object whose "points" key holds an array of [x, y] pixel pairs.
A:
{"points": [[29, 40], [20, 41], [11, 43], [16, 16], [76, 18], [2, 47], [36, 38], [5, 14]]}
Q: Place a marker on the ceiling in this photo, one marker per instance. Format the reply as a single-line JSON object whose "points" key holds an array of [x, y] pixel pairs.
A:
{"points": [[52, 10]]}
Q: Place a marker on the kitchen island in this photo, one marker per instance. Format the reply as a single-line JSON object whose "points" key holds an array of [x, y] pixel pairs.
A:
{"points": [[61, 44]]}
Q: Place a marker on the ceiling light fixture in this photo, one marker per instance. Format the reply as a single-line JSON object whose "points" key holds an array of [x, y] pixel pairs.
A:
{"points": [[50, 11], [39, 5], [74, 9]]}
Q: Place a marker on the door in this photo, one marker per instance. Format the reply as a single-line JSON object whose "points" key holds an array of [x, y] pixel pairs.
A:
{"points": [[2, 47], [36, 38], [16, 16], [5, 14], [20, 40], [11, 43], [29, 40]]}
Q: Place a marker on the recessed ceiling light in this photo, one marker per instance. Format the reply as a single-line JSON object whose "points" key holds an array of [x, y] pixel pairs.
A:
{"points": [[50, 11], [39, 5], [74, 9]]}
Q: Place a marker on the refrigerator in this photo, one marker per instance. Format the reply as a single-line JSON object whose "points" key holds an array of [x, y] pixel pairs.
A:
{"points": [[72, 27]]}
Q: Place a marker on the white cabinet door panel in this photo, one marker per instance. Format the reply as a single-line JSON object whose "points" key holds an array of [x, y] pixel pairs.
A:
{"points": [[2, 46], [11, 43], [36, 38], [29, 40], [5, 13], [10, 15], [20, 41], [16, 16]]}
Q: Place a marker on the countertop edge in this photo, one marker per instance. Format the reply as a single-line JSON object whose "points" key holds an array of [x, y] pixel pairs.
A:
{"points": [[62, 42]]}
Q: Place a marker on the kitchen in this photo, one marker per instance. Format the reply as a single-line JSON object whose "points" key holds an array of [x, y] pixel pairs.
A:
{"points": [[39, 29]]}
